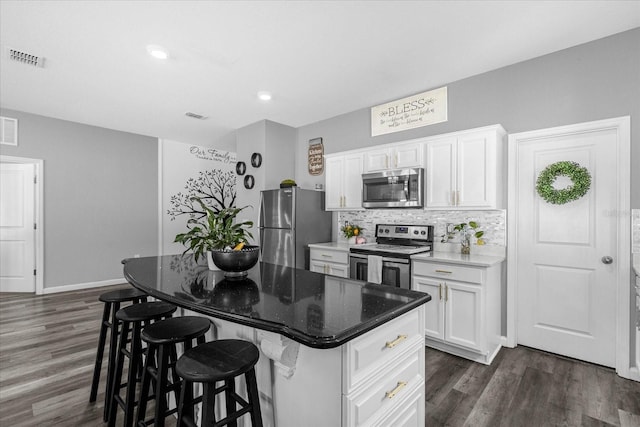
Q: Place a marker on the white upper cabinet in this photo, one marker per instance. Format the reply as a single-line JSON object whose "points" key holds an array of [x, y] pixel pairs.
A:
{"points": [[343, 185], [396, 157], [465, 170]]}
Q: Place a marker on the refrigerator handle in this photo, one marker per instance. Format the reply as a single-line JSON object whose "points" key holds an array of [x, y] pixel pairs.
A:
{"points": [[261, 214], [261, 245]]}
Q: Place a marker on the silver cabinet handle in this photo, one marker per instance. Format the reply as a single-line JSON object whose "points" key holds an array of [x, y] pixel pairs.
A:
{"points": [[607, 259]]}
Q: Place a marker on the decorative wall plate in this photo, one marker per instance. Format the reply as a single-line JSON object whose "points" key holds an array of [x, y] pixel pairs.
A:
{"points": [[249, 182], [241, 168], [256, 160]]}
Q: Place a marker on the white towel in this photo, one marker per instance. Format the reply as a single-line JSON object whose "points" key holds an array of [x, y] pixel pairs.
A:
{"points": [[374, 269]]}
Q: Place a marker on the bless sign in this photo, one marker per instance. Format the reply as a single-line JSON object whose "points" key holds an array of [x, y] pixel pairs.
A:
{"points": [[415, 111]]}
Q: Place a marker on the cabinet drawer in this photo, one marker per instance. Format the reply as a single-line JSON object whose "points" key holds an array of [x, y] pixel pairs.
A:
{"points": [[409, 414], [368, 353], [449, 272], [383, 396], [330, 256]]}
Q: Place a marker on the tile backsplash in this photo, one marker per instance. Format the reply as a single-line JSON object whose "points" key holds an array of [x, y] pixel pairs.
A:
{"points": [[492, 222]]}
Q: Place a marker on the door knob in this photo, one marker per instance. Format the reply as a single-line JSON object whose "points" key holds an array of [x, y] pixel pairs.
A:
{"points": [[607, 259]]}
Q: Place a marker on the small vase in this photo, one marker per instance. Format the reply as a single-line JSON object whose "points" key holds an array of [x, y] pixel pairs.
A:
{"points": [[352, 240], [465, 246]]}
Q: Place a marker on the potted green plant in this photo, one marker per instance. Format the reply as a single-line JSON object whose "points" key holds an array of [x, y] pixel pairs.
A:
{"points": [[220, 234], [466, 231]]}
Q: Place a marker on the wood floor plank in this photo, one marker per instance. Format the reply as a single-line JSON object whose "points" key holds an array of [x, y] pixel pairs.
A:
{"points": [[48, 344]]}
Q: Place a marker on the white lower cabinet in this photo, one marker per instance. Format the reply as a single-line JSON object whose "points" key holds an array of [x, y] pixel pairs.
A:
{"points": [[463, 317], [384, 375], [329, 261]]}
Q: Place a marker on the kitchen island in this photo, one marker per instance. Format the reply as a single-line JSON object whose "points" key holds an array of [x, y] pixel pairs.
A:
{"points": [[334, 351]]}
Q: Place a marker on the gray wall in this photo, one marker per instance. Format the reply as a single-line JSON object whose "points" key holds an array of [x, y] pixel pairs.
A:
{"points": [[593, 81], [100, 196]]}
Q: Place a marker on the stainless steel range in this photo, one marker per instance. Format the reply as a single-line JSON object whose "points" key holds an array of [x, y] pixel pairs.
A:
{"points": [[388, 260]]}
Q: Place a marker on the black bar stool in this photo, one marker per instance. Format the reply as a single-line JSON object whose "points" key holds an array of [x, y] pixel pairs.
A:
{"points": [[112, 301], [132, 319], [161, 339], [221, 360]]}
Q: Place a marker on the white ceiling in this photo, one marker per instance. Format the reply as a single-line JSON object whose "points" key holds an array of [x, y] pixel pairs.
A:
{"points": [[320, 59]]}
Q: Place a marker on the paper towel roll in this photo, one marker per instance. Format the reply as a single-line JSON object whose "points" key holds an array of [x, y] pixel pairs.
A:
{"points": [[273, 351]]}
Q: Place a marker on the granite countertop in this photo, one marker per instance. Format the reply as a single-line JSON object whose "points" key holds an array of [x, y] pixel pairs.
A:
{"points": [[458, 258], [314, 309]]}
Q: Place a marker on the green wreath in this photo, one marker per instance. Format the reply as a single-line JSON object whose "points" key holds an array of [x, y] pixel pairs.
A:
{"points": [[578, 175]]}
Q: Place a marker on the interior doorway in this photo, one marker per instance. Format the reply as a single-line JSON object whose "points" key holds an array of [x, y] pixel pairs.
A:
{"points": [[22, 227], [568, 285]]}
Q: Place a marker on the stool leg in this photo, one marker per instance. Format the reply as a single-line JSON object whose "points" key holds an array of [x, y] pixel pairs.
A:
{"points": [[161, 385], [208, 404], [146, 381], [115, 383], [113, 352], [134, 360], [101, 340], [186, 404], [254, 398], [230, 402]]}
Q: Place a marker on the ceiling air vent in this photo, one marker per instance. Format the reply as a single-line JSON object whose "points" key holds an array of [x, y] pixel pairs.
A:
{"points": [[8, 131], [25, 58], [195, 116]]}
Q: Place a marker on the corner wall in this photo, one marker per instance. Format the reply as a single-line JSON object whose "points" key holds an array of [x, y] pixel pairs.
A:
{"points": [[100, 197], [593, 81]]}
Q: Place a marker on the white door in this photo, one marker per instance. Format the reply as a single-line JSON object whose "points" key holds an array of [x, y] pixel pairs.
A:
{"points": [[566, 293], [352, 181], [463, 317], [334, 177], [441, 173], [17, 234], [476, 171]]}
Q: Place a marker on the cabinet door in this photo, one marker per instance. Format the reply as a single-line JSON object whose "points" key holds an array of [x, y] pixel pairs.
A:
{"points": [[476, 169], [463, 317], [352, 182], [339, 270], [334, 177], [408, 156], [318, 267], [434, 318], [377, 160], [441, 172]]}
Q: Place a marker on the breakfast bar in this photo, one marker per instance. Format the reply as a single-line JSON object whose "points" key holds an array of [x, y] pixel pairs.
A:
{"points": [[334, 351]]}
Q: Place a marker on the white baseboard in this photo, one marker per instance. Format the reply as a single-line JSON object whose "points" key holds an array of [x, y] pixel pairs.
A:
{"points": [[80, 286]]}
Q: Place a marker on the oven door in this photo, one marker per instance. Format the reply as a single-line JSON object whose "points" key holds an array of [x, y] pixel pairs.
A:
{"points": [[395, 271]]}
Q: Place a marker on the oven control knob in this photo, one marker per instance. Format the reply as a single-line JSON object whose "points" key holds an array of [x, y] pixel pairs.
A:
{"points": [[386, 230], [423, 232], [415, 231]]}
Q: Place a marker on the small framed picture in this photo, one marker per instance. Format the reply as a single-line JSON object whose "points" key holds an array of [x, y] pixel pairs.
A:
{"points": [[256, 160], [249, 182], [241, 168]]}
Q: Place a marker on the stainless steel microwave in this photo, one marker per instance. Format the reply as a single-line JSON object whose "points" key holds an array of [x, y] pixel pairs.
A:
{"points": [[398, 188]]}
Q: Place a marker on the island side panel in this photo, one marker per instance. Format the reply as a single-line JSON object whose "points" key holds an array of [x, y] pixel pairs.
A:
{"points": [[301, 387]]}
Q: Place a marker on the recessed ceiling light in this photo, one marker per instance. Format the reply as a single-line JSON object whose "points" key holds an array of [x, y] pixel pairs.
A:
{"points": [[264, 96], [157, 51]]}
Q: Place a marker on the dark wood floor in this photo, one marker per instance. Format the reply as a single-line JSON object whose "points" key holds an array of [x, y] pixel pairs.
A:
{"points": [[48, 344]]}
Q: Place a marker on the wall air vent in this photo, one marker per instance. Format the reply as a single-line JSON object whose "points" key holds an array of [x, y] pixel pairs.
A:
{"points": [[25, 58], [8, 131], [195, 116]]}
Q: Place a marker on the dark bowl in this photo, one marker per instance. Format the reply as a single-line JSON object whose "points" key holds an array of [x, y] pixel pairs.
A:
{"points": [[236, 261]]}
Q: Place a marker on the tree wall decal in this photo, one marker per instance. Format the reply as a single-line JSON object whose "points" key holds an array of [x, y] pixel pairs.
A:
{"points": [[216, 189]]}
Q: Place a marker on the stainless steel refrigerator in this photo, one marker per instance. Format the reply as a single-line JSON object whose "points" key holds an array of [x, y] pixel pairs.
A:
{"points": [[290, 219]]}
